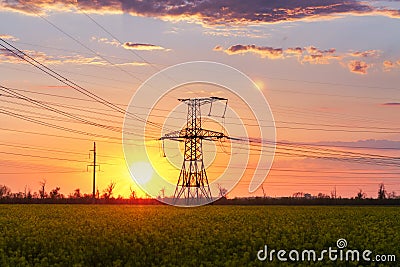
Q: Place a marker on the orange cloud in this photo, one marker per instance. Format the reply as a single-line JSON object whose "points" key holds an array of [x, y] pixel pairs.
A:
{"points": [[357, 66], [294, 51], [368, 53], [218, 48], [103, 40], [318, 59], [317, 56], [143, 47], [9, 57], [8, 37], [388, 65]]}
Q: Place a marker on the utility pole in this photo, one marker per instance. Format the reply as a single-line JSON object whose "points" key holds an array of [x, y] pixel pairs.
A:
{"points": [[193, 183], [94, 165]]}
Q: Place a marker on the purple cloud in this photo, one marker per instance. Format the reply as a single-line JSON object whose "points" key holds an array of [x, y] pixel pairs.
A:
{"points": [[212, 12], [391, 104]]}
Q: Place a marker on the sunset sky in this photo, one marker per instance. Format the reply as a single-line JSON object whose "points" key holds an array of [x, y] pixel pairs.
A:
{"points": [[330, 70]]}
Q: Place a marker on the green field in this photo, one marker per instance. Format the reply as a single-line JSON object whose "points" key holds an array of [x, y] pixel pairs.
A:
{"points": [[101, 235]]}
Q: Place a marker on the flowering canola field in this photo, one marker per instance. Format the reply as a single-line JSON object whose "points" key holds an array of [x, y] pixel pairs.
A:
{"points": [[111, 235]]}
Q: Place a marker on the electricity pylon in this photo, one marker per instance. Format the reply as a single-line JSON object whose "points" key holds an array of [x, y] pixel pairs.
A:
{"points": [[193, 183]]}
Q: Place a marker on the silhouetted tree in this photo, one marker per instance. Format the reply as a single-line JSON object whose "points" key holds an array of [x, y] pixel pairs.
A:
{"points": [[322, 195], [381, 191], [392, 195], [133, 193], [18, 195], [298, 194], [55, 193], [5, 191], [361, 195], [108, 191], [29, 194], [262, 188], [42, 190], [77, 193], [333, 193]]}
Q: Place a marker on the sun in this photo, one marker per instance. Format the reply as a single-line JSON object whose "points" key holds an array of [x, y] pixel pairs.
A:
{"points": [[143, 172]]}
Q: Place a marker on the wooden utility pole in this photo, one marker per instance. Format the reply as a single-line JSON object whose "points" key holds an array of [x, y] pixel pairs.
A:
{"points": [[94, 165]]}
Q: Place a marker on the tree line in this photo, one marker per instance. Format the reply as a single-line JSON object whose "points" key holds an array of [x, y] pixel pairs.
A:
{"points": [[106, 196], [54, 195]]}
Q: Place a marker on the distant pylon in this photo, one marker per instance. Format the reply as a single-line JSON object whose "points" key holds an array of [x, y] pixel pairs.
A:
{"points": [[193, 183]]}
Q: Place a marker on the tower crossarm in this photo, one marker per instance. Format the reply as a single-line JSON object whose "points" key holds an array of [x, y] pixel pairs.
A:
{"points": [[202, 101], [188, 133]]}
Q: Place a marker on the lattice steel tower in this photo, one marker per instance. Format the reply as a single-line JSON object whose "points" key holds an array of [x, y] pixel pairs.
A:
{"points": [[193, 183]]}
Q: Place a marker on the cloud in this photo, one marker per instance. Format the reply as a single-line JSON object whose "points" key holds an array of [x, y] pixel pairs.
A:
{"points": [[212, 12], [143, 47], [294, 51], [8, 37], [9, 57], [317, 56], [357, 66], [134, 64], [364, 54], [310, 55], [129, 45], [103, 40], [262, 51], [397, 104], [388, 65], [218, 48], [234, 31]]}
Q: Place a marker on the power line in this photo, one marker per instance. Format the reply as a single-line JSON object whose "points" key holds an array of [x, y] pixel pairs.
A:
{"points": [[39, 172], [389, 130], [83, 45], [69, 83], [117, 39], [42, 157], [247, 124], [75, 52], [61, 119], [45, 106], [53, 125], [333, 83], [25, 146]]}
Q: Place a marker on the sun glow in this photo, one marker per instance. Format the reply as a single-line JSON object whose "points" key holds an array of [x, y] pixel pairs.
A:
{"points": [[260, 84], [145, 172]]}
